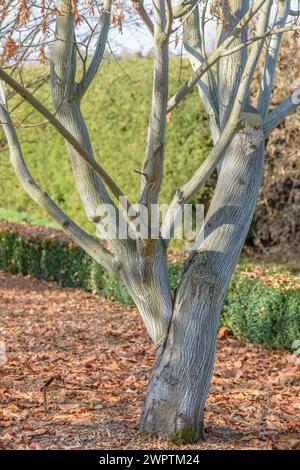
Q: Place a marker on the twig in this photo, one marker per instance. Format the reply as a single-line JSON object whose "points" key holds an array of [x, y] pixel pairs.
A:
{"points": [[44, 390]]}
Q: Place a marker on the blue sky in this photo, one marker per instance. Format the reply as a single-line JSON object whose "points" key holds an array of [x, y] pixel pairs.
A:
{"points": [[140, 40]]}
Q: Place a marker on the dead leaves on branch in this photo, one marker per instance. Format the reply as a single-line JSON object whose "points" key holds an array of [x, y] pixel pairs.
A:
{"points": [[9, 49], [22, 16], [100, 360], [118, 16]]}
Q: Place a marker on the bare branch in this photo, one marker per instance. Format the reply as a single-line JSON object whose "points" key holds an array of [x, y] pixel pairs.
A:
{"points": [[242, 98], [17, 87], [176, 99], [214, 57], [191, 187], [272, 58], [138, 5], [282, 111], [63, 69], [193, 44], [99, 51], [230, 67], [183, 8], [76, 233], [153, 163], [294, 12], [67, 100], [169, 21]]}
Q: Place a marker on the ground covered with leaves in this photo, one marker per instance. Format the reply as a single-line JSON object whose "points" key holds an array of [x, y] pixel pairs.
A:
{"points": [[98, 359]]}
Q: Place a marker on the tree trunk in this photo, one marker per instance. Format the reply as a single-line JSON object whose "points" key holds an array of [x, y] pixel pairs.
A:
{"points": [[179, 385], [175, 401], [146, 279]]}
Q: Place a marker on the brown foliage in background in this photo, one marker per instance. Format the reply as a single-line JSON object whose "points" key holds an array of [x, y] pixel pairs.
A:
{"points": [[277, 216]]}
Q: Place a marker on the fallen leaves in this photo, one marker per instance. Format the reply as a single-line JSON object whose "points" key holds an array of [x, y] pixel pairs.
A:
{"points": [[223, 332], [275, 279], [99, 355]]}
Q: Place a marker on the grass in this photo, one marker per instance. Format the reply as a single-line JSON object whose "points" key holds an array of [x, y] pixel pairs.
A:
{"points": [[116, 109], [14, 216]]}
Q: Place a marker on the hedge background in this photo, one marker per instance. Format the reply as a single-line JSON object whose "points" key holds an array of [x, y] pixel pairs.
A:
{"points": [[255, 309], [117, 110]]}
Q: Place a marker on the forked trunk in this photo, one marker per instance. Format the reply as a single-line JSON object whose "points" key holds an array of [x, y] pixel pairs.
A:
{"points": [[178, 388], [184, 328]]}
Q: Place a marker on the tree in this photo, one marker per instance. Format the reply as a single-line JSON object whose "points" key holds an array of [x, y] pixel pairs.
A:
{"points": [[183, 326]]}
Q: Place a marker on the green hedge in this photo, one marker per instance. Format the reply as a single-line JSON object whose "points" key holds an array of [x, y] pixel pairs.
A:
{"points": [[265, 315], [120, 112]]}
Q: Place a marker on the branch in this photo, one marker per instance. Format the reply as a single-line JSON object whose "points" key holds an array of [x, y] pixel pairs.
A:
{"points": [[66, 99], [191, 187], [153, 162], [201, 29], [138, 5], [230, 68], [183, 8], [91, 188], [99, 51], [271, 59], [63, 70], [61, 130], [242, 98], [214, 57], [169, 21], [207, 85], [176, 99], [282, 111], [88, 243]]}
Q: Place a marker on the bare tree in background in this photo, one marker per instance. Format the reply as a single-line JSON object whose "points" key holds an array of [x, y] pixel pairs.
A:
{"points": [[183, 326]]}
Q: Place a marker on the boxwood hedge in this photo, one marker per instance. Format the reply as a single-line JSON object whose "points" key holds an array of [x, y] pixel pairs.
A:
{"points": [[263, 314]]}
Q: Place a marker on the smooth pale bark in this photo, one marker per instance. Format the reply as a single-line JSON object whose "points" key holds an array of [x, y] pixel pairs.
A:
{"points": [[179, 385], [230, 69], [147, 281], [207, 87], [66, 101], [273, 49], [154, 158]]}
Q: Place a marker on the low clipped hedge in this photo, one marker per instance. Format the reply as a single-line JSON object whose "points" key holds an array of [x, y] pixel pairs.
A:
{"points": [[262, 314]]}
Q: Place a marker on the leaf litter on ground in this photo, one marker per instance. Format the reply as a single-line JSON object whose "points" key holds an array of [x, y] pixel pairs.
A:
{"points": [[98, 359]]}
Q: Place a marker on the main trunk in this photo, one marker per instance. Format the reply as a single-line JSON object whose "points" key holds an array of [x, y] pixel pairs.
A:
{"points": [[179, 385], [178, 388]]}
